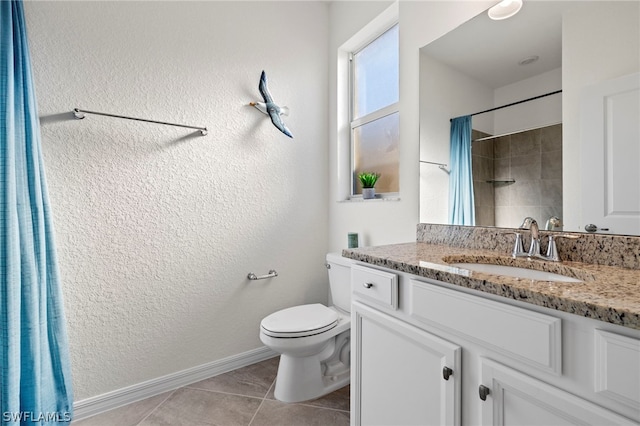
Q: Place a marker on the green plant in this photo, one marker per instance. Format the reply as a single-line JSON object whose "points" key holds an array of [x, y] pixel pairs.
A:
{"points": [[367, 179]]}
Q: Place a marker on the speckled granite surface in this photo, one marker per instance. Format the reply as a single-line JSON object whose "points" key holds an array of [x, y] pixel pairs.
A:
{"points": [[601, 249], [607, 293]]}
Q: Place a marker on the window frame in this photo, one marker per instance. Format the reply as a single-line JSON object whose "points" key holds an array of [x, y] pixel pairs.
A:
{"points": [[340, 145], [370, 117]]}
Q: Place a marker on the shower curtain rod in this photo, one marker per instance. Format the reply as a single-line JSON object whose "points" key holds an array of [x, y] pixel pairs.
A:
{"points": [[79, 114], [514, 103], [514, 132]]}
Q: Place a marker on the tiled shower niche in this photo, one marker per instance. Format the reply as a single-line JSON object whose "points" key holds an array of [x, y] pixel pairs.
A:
{"points": [[533, 161]]}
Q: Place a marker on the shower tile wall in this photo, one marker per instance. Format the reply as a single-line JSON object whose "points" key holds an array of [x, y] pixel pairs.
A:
{"points": [[534, 160]]}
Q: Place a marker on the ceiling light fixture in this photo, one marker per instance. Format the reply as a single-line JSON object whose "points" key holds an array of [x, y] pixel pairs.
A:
{"points": [[505, 9], [528, 60]]}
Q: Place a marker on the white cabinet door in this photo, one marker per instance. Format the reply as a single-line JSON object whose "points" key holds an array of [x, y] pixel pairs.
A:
{"points": [[517, 399], [610, 155], [398, 373]]}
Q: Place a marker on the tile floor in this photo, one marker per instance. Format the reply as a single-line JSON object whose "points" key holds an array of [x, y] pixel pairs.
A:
{"points": [[242, 397]]}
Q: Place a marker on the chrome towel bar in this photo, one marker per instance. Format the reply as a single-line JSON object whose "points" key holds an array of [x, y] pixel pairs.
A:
{"points": [[79, 114], [272, 273], [441, 166]]}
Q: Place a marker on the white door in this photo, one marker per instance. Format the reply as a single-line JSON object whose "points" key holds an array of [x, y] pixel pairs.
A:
{"points": [[399, 374], [610, 155], [513, 398]]}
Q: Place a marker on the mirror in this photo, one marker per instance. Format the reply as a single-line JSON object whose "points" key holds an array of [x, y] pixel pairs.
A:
{"points": [[484, 64]]}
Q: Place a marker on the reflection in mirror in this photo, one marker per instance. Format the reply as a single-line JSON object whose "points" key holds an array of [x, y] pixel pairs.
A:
{"points": [[517, 175], [518, 151]]}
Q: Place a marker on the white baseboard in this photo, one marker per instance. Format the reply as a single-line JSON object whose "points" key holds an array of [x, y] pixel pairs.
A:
{"points": [[117, 398]]}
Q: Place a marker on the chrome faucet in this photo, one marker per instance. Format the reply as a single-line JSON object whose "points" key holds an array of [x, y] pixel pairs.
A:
{"points": [[530, 224], [552, 223], [534, 249]]}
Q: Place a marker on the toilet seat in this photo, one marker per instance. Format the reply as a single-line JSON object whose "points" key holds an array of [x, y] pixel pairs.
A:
{"points": [[300, 321]]}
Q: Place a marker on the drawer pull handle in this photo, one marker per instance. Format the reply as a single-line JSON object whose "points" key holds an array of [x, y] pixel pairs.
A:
{"points": [[447, 372], [484, 391], [367, 285]]}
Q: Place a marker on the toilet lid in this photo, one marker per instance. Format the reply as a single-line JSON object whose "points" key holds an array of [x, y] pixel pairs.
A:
{"points": [[299, 321]]}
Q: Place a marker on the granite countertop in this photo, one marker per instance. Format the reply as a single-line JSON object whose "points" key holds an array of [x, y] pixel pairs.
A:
{"points": [[606, 293]]}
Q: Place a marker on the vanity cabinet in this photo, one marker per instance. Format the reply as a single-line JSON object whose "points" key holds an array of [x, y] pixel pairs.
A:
{"points": [[518, 399], [405, 376], [432, 353]]}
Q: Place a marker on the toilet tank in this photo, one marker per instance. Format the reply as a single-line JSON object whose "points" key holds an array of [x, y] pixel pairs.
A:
{"points": [[339, 269]]}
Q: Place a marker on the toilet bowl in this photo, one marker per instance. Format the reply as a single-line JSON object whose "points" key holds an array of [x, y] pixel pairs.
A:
{"points": [[313, 340]]}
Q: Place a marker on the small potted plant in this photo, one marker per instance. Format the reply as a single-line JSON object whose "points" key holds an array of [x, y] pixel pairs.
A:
{"points": [[368, 181]]}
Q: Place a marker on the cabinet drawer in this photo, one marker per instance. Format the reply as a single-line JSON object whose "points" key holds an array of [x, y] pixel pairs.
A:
{"points": [[375, 286], [516, 333], [617, 367]]}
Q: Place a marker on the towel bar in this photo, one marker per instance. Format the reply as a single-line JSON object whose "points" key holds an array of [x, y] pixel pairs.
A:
{"points": [[79, 114]]}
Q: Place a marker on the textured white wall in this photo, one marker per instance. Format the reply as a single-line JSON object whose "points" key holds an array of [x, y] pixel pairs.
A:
{"points": [[157, 228]]}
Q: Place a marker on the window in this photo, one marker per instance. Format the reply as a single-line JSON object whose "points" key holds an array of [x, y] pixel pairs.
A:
{"points": [[375, 116]]}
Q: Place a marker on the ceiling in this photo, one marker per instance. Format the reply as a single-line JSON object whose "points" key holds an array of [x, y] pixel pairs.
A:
{"points": [[489, 51]]}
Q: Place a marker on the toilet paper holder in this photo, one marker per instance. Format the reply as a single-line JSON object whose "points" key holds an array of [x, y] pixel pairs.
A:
{"points": [[272, 273]]}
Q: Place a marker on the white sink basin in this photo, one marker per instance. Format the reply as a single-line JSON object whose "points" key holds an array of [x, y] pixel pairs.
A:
{"points": [[514, 271]]}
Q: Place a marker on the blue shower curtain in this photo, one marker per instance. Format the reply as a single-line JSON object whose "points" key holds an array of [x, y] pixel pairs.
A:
{"points": [[461, 205], [35, 378]]}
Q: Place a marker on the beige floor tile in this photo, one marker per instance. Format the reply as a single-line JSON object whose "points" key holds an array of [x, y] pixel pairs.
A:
{"points": [[337, 400], [253, 380], [272, 413], [230, 399], [194, 407], [128, 415]]}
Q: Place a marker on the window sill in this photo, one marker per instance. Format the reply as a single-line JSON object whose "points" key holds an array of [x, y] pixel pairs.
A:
{"points": [[372, 200]]}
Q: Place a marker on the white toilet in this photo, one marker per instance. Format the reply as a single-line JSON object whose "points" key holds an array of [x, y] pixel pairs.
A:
{"points": [[313, 340]]}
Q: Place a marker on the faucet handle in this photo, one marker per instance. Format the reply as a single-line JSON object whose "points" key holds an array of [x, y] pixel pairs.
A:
{"points": [[552, 249], [518, 247]]}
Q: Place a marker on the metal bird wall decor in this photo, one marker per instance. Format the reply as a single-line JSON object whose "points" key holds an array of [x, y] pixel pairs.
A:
{"points": [[270, 108]]}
